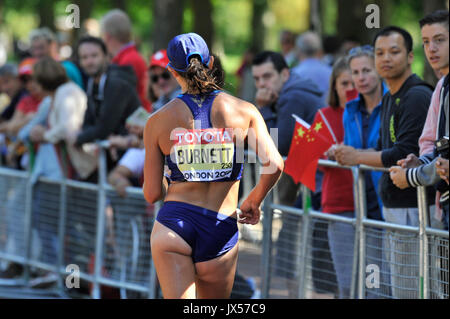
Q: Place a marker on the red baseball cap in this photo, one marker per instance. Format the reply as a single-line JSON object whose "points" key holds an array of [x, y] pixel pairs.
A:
{"points": [[159, 58], [26, 66]]}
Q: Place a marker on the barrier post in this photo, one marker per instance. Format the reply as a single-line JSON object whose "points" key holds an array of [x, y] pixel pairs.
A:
{"points": [[28, 225], [423, 242], [266, 256], [61, 231], [361, 215], [101, 206], [306, 204], [358, 225]]}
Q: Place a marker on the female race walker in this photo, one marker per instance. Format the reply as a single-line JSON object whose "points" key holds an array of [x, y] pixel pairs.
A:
{"points": [[199, 135]]}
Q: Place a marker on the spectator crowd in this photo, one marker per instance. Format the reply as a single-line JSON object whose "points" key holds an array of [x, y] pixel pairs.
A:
{"points": [[380, 113]]}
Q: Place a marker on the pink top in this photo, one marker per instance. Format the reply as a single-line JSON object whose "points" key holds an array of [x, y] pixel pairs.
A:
{"points": [[429, 133]]}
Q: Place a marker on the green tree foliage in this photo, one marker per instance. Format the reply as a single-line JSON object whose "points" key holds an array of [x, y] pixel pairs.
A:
{"points": [[232, 30]]}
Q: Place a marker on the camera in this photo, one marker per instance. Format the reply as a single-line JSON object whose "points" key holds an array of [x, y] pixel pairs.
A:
{"points": [[442, 147]]}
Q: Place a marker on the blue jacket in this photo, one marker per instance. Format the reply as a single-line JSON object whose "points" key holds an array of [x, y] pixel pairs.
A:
{"points": [[353, 134], [318, 72]]}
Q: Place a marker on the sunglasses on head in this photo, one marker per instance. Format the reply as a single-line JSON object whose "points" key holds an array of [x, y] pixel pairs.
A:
{"points": [[165, 76], [364, 48]]}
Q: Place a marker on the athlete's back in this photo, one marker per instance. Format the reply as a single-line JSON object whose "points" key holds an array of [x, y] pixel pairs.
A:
{"points": [[226, 112], [199, 135]]}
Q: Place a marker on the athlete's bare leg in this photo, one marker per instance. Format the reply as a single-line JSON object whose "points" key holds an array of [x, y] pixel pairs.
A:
{"points": [[173, 262], [215, 277]]}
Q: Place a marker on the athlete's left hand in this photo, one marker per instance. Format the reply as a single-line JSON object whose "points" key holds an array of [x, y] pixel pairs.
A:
{"points": [[250, 212]]}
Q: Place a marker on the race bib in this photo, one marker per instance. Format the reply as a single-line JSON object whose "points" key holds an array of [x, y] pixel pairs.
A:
{"points": [[204, 155]]}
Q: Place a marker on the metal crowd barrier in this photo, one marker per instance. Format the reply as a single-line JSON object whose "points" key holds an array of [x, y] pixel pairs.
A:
{"points": [[54, 225], [410, 262], [75, 228]]}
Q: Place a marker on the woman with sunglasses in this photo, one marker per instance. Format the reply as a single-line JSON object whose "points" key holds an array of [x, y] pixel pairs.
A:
{"points": [[162, 82], [200, 135], [28, 104]]}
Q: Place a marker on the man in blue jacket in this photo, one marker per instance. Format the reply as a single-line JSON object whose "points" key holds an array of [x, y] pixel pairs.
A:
{"points": [[310, 65], [279, 94]]}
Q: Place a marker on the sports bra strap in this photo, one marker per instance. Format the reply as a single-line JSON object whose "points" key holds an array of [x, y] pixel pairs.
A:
{"points": [[200, 107]]}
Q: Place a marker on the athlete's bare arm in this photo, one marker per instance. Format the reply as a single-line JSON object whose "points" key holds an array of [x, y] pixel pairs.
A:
{"points": [[154, 189], [272, 166]]}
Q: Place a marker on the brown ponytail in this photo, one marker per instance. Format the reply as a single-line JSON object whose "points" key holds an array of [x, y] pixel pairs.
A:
{"points": [[199, 78]]}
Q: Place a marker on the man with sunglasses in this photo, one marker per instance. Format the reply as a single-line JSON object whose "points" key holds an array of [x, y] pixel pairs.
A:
{"points": [[162, 82]]}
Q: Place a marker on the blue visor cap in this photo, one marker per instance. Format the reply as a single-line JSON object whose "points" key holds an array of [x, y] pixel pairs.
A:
{"points": [[182, 47]]}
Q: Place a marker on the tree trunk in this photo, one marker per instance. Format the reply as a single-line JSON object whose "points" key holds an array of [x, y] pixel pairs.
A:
{"points": [[120, 4], [315, 22], [85, 12], [46, 14], [168, 21], [203, 23], [351, 22], [429, 6], [1, 11], [259, 8]]}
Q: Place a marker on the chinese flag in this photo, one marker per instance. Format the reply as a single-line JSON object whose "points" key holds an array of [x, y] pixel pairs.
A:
{"points": [[309, 142]]}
